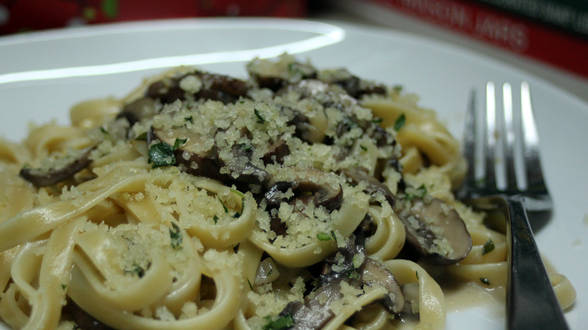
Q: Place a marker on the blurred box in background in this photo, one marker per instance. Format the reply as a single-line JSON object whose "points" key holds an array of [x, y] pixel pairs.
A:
{"points": [[28, 15], [551, 31]]}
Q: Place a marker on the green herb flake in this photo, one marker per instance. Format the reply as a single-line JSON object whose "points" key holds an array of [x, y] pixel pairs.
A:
{"points": [[178, 143], [142, 137], [416, 273], [282, 322], [189, 119], [354, 275], [323, 237], [488, 247], [250, 285], [377, 120], [419, 192], [63, 287], [333, 236], [260, 118], [104, 131], [161, 154], [400, 121], [485, 280], [238, 214], [136, 270], [175, 236], [364, 148], [215, 219]]}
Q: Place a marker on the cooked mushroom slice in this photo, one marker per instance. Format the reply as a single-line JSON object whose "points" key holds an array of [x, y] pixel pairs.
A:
{"points": [[275, 75], [63, 169], [411, 298], [314, 313], [323, 191], [220, 87], [242, 169], [195, 159], [305, 128], [373, 186], [267, 272], [142, 108], [276, 153], [374, 274], [435, 229], [352, 84], [201, 85]]}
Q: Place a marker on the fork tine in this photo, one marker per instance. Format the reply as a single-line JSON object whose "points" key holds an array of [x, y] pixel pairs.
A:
{"points": [[509, 139], [532, 162], [489, 119], [469, 141]]}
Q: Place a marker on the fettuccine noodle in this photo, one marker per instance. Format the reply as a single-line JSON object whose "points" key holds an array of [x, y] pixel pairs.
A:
{"points": [[300, 199]]}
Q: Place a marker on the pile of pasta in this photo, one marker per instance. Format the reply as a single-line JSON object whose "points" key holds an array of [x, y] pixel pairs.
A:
{"points": [[201, 201]]}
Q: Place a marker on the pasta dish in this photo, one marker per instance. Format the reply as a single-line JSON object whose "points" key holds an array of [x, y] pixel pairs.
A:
{"points": [[298, 199]]}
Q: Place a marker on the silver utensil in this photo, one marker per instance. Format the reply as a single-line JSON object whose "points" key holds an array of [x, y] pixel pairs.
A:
{"points": [[504, 140]]}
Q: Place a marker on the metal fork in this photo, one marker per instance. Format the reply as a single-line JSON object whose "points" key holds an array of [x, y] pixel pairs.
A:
{"points": [[501, 140]]}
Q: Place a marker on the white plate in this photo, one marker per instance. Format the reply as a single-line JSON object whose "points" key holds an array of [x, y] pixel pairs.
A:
{"points": [[43, 74]]}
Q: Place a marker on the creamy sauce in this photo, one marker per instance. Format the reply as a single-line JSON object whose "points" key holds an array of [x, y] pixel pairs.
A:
{"points": [[468, 295]]}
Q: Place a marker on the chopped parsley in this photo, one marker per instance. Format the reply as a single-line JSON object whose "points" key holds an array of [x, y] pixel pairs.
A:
{"points": [[161, 154], [189, 119], [175, 236], [354, 275], [377, 120], [488, 247], [142, 137], [400, 121], [323, 237], [419, 192], [282, 322], [224, 206], [63, 287], [178, 143], [260, 118], [136, 270], [416, 273], [238, 214], [485, 280], [364, 148], [215, 219], [250, 285], [104, 131]]}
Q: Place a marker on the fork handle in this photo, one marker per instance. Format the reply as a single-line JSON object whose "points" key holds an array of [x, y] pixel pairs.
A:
{"points": [[531, 302]]}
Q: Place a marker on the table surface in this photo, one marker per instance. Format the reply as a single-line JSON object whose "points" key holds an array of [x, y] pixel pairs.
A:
{"points": [[343, 13]]}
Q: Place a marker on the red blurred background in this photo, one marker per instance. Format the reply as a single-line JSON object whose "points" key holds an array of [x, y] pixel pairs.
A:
{"points": [[28, 15]]}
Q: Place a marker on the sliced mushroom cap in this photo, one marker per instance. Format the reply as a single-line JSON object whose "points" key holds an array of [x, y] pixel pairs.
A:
{"points": [[303, 181], [140, 109], [275, 75], [352, 84], [267, 272], [195, 159], [374, 274], [276, 153], [373, 186], [436, 230], [66, 169], [200, 85]]}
